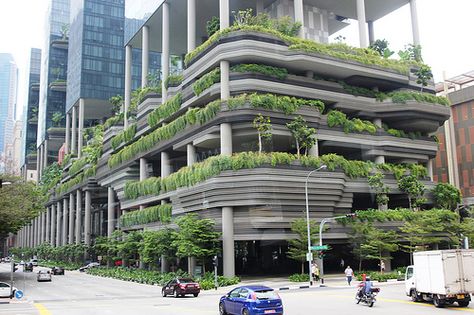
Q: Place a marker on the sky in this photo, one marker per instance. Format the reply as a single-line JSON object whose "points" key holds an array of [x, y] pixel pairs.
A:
{"points": [[445, 34]]}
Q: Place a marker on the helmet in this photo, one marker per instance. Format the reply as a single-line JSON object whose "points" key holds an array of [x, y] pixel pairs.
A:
{"points": [[367, 278]]}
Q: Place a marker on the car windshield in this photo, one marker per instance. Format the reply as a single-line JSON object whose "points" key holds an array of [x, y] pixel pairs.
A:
{"points": [[186, 280], [266, 295]]}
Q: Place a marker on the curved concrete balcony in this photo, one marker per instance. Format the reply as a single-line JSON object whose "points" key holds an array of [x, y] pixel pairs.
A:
{"points": [[58, 86], [241, 47], [60, 43]]}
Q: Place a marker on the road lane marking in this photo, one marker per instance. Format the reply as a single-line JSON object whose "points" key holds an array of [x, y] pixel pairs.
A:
{"points": [[42, 309]]}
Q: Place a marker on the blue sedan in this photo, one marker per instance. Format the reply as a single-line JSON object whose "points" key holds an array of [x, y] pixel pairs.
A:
{"points": [[251, 300]]}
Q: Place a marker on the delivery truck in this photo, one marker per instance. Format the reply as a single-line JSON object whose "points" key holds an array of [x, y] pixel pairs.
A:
{"points": [[441, 276]]}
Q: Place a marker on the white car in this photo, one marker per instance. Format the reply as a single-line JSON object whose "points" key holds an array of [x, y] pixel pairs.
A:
{"points": [[89, 265], [34, 261], [5, 291], [44, 275]]}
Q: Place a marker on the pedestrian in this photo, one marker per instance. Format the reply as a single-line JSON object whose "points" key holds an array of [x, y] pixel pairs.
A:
{"points": [[382, 266], [342, 263], [315, 271], [349, 274]]}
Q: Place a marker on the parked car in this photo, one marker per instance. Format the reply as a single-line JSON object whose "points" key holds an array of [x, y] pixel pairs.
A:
{"points": [[180, 287], [89, 265], [44, 275], [34, 261], [5, 290], [57, 271], [251, 300], [28, 267]]}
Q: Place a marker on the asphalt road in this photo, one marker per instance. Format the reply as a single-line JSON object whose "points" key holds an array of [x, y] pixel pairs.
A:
{"points": [[77, 293]]}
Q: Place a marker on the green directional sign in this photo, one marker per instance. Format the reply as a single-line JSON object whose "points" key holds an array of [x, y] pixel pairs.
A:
{"points": [[322, 247]]}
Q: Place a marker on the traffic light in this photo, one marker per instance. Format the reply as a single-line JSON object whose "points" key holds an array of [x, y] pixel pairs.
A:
{"points": [[215, 261]]}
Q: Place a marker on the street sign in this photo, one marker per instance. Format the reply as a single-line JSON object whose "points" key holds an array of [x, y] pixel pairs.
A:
{"points": [[317, 247], [18, 294], [309, 256]]}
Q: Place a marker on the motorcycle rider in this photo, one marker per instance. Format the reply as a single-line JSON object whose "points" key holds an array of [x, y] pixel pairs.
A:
{"points": [[365, 288]]}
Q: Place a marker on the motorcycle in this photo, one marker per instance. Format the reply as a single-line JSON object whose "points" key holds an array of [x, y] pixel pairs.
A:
{"points": [[367, 298]]}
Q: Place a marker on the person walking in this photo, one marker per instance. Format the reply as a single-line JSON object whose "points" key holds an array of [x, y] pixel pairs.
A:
{"points": [[342, 263], [315, 271], [349, 274]]}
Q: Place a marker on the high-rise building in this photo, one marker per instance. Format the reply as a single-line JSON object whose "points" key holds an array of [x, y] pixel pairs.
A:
{"points": [[30, 118], [52, 96], [8, 95]]}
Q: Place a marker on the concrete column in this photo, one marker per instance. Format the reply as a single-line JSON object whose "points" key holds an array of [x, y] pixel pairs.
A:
{"points": [[78, 228], [191, 154], [52, 235], [299, 15], [314, 151], [68, 133], [370, 28], [110, 211], [165, 165], [74, 130], [224, 13], [226, 139], [260, 7], [87, 218], [165, 54], [228, 241], [225, 82], [145, 54], [42, 227], [164, 264], [72, 211], [38, 162], [128, 84], [143, 169], [414, 23], [429, 167], [57, 236], [47, 233], [377, 122], [65, 221], [38, 230], [191, 25], [380, 159], [45, 157], [361, 18], [80, 129]]}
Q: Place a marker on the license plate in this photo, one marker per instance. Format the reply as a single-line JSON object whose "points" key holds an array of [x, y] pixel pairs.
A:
{"points": [[460, 296], [269, 311]]}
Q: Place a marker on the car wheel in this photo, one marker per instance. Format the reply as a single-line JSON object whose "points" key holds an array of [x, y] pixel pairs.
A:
{"points": [[437, 302], [163, 293], [195, 294], [414, 296], [176, 295], [463, 303], [245, 312], [222, 309]]}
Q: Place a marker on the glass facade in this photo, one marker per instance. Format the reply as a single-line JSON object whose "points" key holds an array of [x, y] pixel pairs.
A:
{"points": [[8, 82], [30, 120], [96, 63], [137, 13], [53, 68]]}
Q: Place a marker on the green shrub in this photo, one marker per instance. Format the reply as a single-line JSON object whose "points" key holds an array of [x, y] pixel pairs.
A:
{"points": [[403, 96], [173, 80], [336, 118], [165, 110], [160, 213], [139, 94], [112, 121], [298, 277], [124, 136], [76, 166], [280, 73], [206, 81], [207, 281]]}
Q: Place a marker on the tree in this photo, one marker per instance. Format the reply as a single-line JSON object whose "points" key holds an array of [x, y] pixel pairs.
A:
{"points": [[379, 244], [212, 26], [20, 202], [381, 190], [264, 129], [196, 238], [381, 47], [107, 247], [304, 135], [446, 196], [129, 247], [157, 244], [57, 118], [358, 237], [117, 102], [298, 247], [424, 75], [411, 53], [410, 185]]}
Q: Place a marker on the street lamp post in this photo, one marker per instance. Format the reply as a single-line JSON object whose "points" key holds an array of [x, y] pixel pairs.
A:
{"points": [[321, 227], [309, 258]]}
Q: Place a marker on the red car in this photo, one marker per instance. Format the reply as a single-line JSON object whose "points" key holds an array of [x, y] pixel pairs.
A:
{"points": [[180, 287]]}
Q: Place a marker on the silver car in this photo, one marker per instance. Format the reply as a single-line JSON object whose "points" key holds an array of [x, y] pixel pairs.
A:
{"points": [[44, 275]]}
